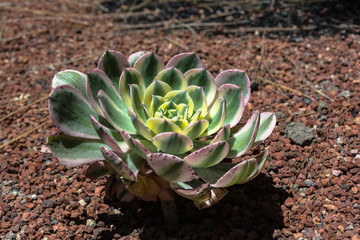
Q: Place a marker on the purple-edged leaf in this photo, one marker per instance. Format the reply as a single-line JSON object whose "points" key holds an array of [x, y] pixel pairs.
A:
{"points": [[140, 126], [241, 141], [216, 117], [117, 164], [261, 161], [195, 129], [173, 77], [149, 65], [202, 78], [234, 103], [135, 145], [136, 102], [134, 57], [185, 61], [237, 174], [160, 125], [236, 77], [114, 115], [70, 112], [75, 151], [170, 167], [96, 81], [201, 192], [266, 126], [172, 142], [203, 196], [133, 161], [96, 170], [112, 138], [113, 63], [208, 156], [73, 78], [130, 76], [222, 135], [157, 88]]}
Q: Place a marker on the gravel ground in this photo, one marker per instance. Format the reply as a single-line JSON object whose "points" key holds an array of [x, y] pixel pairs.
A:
{"points": [[309, 189]]}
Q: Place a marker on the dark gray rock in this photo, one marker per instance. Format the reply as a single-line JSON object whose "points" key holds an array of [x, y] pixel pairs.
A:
{"points": [[322, 106], [299, 133]]}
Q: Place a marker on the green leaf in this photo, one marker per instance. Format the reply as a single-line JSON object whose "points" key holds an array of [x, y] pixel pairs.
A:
{"points": [[185, 61], [136, 102], [222, 135], [208, 156], [96, 81], [234, 103], [266, 126], [130, 76], [135, 145], [202, 78], [160, 125], [112, 138], [140, 126], [134, 57], [242, 140], [216, 117], [112, 63], [195, 129], [170, 167], [237, 174], [260, 161], [70, 112], [236, 77], [149, 65], [172, 143], [198, 97], [75, 151], [173, 77], [73, 78], [116, 118]]}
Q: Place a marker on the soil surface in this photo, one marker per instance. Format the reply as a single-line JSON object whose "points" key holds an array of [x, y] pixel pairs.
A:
{"points": [[303, 59]]}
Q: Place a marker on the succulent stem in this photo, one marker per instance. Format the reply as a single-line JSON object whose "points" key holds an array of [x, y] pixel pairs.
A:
{"points": [[170, 212]]}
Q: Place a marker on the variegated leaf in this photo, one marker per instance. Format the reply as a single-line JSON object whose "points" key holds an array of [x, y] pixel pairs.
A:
{"points": [[185, 61], [170, 167], [208, 156], [241, 141], [172, 142]]}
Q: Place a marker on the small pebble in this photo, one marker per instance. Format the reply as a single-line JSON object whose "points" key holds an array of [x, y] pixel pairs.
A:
{"points": [[309, 183]]}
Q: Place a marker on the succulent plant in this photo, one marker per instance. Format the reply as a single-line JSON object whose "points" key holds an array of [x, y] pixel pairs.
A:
{"points": [[155, 129]]}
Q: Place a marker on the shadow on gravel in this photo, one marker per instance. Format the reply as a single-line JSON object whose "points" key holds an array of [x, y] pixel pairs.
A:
{"points": [[249, 211]]}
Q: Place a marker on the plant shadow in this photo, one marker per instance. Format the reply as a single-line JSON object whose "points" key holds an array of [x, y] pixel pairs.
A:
{"points": [[249, 211]]}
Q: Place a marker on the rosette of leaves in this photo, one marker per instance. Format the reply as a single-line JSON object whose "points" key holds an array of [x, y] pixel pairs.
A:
{"points": [[154, 129]]}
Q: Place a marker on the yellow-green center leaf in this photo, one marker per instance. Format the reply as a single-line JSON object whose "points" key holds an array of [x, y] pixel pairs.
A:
{"points": [[160, 125], [157, 88]]}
